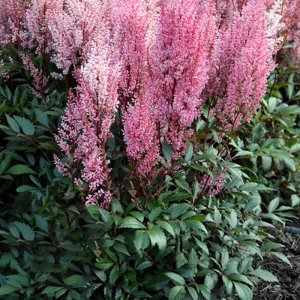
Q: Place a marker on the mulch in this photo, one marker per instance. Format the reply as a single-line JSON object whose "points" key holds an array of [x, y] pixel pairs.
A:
{"points": [[288, 286]]}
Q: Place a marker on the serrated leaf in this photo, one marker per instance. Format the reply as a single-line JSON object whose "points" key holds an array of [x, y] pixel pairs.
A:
{"points": [[12, 124], [193, 293], [175, 277], [26, 125], [180, 260], [75, 281], [7, 289], [20, 170], [224, 259], [266, 162], [157, 237], [176, 293], [295, 148], [282, 257], [264, 275], [243, 291], [50, 290], [154, 214], [189, 153], [182, 183], [177, 210], [167, 151], [26, 231], [41, 117], [273, 204], [42, 223], [131, 222], [167, 227]]}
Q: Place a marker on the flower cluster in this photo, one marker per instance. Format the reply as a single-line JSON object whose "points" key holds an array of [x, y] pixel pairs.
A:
{"points": [[157, 62]]}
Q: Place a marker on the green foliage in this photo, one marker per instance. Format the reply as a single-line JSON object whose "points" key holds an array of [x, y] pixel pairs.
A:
{"points": [[169, 241]]}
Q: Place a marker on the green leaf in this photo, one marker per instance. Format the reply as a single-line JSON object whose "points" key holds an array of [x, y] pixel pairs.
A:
{"points": [[157, 237], [282, 257], [75, 281], [175, 277], [264, 275], [193, 293], [12, 124], [224, 259], [189, 153], [290, 164], [7, 289], [243, 291], [50, 290], [167, 227], [154, 214], [26, 231], [295, 148], [266, 162], [41, 117], [273, 204], [25, 188], [20, 169], [26, 125], [182, 183], [42, 223], [177, 210], [167, 151], [5, 163], [131, 222], [141, 240], [176, 293]]}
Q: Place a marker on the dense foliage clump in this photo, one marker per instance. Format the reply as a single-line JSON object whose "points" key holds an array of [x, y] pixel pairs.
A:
{"points": [[149, 149]]}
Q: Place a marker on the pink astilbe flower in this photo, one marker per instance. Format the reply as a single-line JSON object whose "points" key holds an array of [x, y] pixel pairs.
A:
{"points": [[244, 61], [140, 134], [86, 124], [212, 186], [291, 19], [12, 14], [178, 66], [38, 16], [73, 30], [132, 20]]}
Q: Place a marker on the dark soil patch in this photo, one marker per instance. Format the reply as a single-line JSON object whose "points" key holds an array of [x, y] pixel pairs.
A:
{"points": [[288, 286]]}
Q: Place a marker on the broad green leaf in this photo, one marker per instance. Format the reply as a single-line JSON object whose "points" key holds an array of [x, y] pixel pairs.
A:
{"points": [[167, 151], [193, 293], [26, 125], [189, 153], [50, 290], [20, 170], [243, 291], [42, 223], [295, 148], [182, 183], [7, 289], [290, 164], [157, 237], [282, 257], [273, 204], [176, 293], [41, 117], [167, 227], [224, 259], [131, 222], [175, 277], [177, 210], [264, 275], [25, 188], [266, 162], [12, 124], [75, 281], [26, 231], [154, 213]]}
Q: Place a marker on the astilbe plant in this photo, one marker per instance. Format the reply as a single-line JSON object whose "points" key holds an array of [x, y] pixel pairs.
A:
{"points": [[160, 64]]}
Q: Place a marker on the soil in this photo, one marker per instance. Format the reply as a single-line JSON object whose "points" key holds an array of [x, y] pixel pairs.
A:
{"points": [[288, 286]]}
